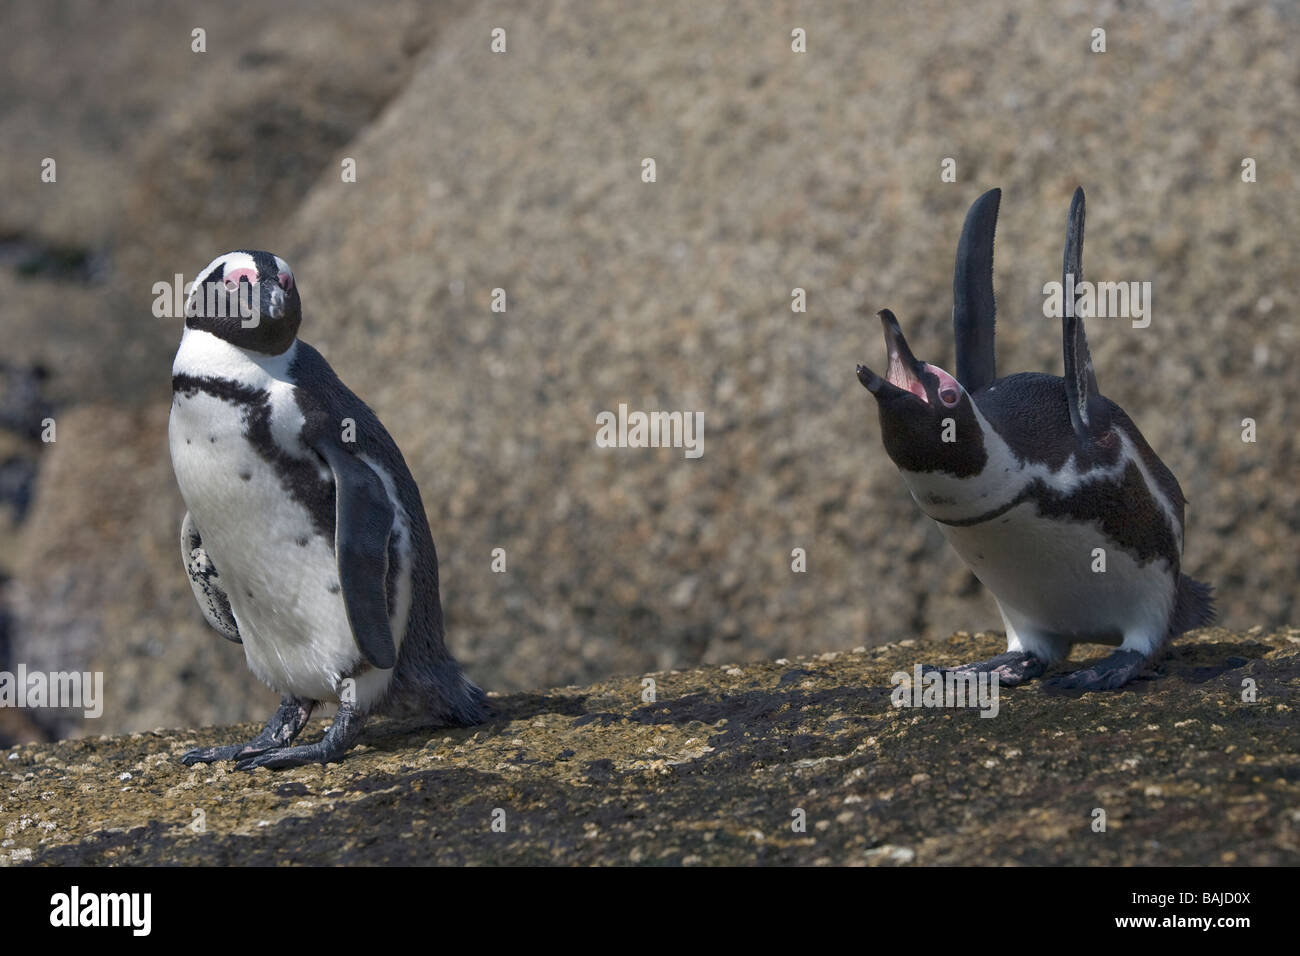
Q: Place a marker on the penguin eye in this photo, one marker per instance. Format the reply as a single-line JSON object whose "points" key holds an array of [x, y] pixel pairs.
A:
{"points": [[948, 390]]}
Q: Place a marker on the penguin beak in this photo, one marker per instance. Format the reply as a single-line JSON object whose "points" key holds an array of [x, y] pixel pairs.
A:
{"points": [[276, 308], [903, 375], [873, 383]]}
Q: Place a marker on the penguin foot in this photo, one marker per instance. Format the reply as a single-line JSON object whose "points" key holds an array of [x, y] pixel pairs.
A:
{"points": [[329, 749], [1012, 668], [285, 724], [1110, 673]]}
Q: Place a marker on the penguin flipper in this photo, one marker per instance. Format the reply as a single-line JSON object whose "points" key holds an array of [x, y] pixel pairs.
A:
{"points": [[1087, 409], [973, 309], [363, 522], [205, 582]]}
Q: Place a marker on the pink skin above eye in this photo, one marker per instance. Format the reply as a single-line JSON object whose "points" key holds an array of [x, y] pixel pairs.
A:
{"points": [[286, 280], [949, 390], [231, 279]]}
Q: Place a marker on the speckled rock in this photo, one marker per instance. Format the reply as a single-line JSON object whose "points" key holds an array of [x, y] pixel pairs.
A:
{"points": [[522, 172], [802, 761]]}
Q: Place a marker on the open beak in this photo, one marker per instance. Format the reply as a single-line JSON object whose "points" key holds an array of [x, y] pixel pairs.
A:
{"points": [[903, 374]]}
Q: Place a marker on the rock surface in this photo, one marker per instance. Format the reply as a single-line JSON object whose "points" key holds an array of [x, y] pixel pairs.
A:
{"points": [[522, 172], [716, 768]]}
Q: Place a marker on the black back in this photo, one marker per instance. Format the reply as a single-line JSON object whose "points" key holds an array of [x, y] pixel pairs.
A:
{"points": [[427, 681]]}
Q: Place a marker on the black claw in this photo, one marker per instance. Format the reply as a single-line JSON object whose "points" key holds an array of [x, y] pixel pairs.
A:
{"points": [[288, 757]]}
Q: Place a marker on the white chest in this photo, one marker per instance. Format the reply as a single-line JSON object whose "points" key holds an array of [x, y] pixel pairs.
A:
{"points": [[1063, 577], [1055, 576], [278, 571]]}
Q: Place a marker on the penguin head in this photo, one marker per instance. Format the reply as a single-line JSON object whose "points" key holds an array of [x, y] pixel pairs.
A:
{"points": [[248, 298], [928, 422]]}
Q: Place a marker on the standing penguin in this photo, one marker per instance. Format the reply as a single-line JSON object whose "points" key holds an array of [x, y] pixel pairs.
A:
{"points": [[1028, 476], [305, 538]]}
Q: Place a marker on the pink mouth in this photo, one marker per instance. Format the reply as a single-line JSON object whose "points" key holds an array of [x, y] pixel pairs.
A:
{"points": [[900, 376]]}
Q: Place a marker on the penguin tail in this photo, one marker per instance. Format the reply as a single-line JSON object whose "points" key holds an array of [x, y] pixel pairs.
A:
{"points": [[438, 694], [467, 704], [1193, 606]]}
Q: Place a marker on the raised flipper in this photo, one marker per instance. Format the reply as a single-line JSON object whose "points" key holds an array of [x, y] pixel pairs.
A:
{"points": [[205, 582], [1087, 410], [363, 521], [973, 308]]}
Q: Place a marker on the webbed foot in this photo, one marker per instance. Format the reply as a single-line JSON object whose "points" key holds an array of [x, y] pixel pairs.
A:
{"points": [[1109, 673], [285, 724], [329, 749], [1012, 668]]}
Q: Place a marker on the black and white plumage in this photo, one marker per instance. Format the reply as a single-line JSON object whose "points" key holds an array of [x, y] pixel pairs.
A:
{"points": [[1036, 474], [305, 539]]}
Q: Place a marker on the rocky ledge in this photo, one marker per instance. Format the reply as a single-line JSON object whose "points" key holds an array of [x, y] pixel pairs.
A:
{"points": [[803, 761]]}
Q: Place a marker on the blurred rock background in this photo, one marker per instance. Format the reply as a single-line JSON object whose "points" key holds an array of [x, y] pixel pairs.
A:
{"points": [[522, 171]]}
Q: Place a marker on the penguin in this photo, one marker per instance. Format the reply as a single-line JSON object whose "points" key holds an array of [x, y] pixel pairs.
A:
{"points": [[1032, 478], [305, 538]]}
